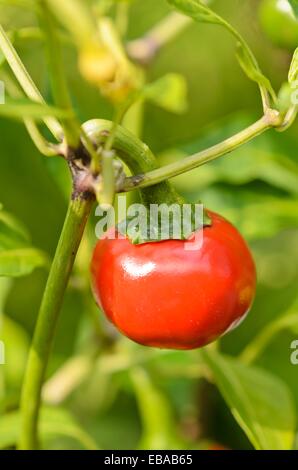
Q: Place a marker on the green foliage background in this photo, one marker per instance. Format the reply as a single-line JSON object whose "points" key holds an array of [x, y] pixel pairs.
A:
{"points": [[127, 396]]}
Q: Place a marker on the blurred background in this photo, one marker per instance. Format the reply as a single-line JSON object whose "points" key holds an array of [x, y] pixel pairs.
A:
{"points": [[123, 395]]}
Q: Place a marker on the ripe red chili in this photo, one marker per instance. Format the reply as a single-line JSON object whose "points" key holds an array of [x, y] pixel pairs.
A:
{"points": [[161, 295]]}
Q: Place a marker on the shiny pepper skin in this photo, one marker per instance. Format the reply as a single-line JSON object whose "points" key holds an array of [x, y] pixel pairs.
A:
{"points": [[161, 295]]}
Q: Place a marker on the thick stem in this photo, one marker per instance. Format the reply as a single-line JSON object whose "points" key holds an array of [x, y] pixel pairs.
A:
{"points": [[76, 218], [136, 155]]}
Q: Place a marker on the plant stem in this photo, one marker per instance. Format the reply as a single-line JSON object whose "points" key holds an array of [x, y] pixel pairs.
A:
{"points": [[189, 163], [26, 81], [143, 50], [135, 154], [76, 218], [57, 76], [46, 148], [122, 11], [76, 16]]}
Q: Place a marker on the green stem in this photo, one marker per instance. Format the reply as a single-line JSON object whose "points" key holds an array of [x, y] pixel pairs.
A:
{"points": [[145, 49], [59, 85], [76, 16], [46, 148], [189, 163], [136, 155], [76, 218], [26, 81]]}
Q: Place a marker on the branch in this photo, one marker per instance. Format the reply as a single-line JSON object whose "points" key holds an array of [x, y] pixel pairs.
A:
{"points": [[270, 119]]}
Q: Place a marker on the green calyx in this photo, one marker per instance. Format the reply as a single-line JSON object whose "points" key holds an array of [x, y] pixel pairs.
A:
{"points": [[172, 217], [163, 222]]}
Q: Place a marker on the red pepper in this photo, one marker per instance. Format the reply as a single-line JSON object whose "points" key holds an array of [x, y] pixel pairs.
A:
{"points": [[162, 295]]}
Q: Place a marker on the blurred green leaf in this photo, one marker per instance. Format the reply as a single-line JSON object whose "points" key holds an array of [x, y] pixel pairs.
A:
{"points": [[256, 214], [169, 92], [294, 4], [28, 109], [287, 321], [54, 422], [260, 402], [17, 257], [21, 261], [156, 414], [16, 342], [12, 232]]}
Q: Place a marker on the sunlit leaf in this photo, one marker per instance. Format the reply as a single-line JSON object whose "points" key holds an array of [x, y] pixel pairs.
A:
{"points": [[260, 402]]}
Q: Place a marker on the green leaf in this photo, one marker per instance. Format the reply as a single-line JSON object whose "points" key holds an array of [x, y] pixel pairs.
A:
{"points": [[54, 422], [156, 414], [28, 109], [260, 402], [293, 72], [21, 262], [251, 69], [17, 256], [287, 321], [16, 342], [12, 232], [169, 223], [199, 12], [196, 10], [169, 92]]}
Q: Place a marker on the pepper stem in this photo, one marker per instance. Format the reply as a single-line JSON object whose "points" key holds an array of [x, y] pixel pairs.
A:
{"points": [[137, 156]]}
